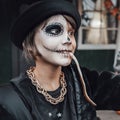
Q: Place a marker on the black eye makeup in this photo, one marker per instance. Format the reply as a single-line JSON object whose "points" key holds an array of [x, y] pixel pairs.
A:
{"points": [[54, 29]]}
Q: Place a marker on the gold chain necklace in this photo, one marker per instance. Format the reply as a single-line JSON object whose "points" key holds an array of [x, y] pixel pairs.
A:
{"points": [[41, 90]]}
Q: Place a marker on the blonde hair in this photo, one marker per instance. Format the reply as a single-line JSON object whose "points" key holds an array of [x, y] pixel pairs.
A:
{"points": [[29, 47]]}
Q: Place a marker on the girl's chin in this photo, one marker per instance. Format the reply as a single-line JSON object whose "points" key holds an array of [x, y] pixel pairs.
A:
{"points": [[65, 63], [59, 60]]}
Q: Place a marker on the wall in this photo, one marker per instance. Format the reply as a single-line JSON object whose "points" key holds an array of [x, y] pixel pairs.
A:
{"points": [[100, 60]]}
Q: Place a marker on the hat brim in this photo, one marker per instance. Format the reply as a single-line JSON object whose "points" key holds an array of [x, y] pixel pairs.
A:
{"points": [[37, 13]]}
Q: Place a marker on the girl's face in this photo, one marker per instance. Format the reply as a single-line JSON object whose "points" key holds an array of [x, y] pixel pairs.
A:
{"points": [[54, 41]]}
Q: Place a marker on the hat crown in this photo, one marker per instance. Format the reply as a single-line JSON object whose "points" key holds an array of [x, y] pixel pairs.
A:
{"points": [[28, 3]]}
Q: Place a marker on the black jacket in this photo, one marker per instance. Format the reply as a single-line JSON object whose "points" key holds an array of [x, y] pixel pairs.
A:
{"points": [[103, 88]]}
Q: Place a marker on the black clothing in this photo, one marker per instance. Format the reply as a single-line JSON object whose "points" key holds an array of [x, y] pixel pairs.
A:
{"points": [[20, 100]]}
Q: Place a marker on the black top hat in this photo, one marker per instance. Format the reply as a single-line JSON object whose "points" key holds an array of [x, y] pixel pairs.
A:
{"points": [[37, 13]]}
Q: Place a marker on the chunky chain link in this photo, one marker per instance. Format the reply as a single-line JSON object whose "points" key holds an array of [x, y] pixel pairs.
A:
{"points": [[41, 90]]}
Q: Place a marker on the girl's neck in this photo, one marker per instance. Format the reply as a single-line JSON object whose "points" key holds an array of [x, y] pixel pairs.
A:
{"points": [[47, 75]]}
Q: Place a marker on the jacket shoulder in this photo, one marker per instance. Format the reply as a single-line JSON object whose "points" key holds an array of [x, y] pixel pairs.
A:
{"points": [[8, 97], [5, 92], [11, 102]]}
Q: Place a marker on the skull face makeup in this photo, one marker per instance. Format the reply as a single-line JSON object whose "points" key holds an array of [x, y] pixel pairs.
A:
{"points": [[54, 41]]}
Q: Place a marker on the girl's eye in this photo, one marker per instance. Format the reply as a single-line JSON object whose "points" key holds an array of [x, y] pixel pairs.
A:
{"points": [[70, 33], [54, 30]]}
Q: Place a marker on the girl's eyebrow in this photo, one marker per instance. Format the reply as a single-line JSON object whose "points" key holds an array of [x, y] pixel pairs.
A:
{"points": [[51, 23]]}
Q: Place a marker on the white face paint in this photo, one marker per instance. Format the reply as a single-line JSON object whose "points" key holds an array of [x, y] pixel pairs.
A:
{"points": [[55, 40]]}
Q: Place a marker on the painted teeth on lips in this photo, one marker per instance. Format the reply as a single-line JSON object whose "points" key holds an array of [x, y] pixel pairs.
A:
{"points": [[64, 51]]}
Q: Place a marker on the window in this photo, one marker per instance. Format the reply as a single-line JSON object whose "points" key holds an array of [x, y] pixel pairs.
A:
{"points": [[99, 27]]}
